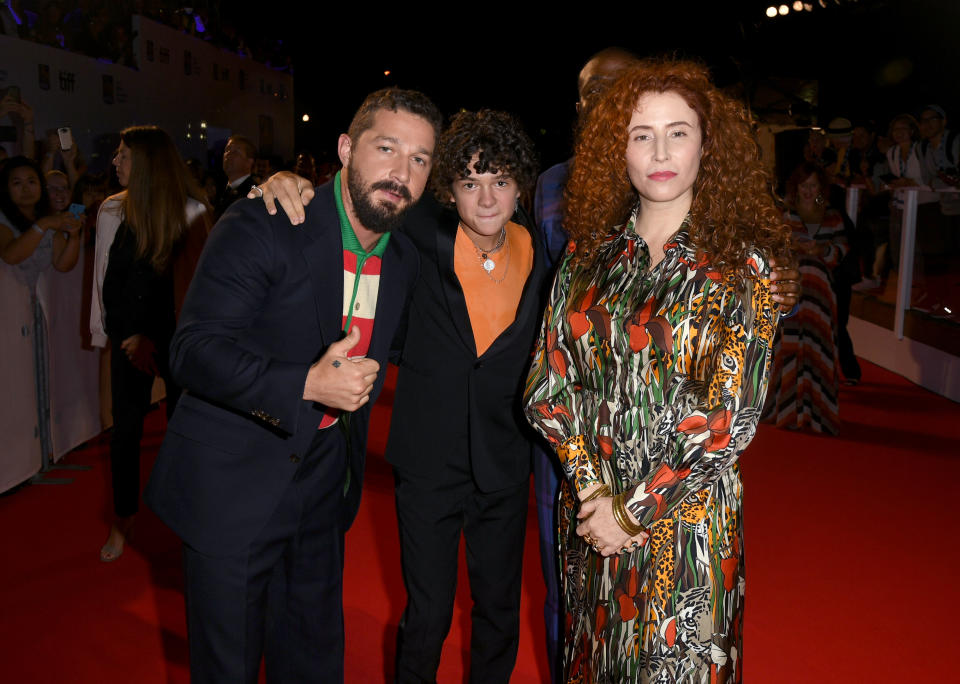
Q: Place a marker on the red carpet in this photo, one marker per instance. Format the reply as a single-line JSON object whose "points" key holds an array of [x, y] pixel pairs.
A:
{"points": [[851, 543]]}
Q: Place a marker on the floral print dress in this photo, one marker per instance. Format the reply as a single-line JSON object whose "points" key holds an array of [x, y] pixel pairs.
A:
{"points": [[651, 381]]}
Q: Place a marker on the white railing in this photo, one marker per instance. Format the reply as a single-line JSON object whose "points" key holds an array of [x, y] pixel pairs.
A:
{"points": [[933, 368]]}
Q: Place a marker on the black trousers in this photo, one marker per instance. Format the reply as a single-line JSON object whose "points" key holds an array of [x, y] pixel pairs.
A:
{"points": [[848, 360], [282, 597], [432, 515], [130, 394]]}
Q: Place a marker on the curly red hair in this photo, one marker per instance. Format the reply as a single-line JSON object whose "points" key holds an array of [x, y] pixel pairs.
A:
{"points": [[733, 209]]}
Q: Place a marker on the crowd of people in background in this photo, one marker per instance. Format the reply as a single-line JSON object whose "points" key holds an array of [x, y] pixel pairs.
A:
{"points": [[102, 29], [915, 149], [840, 253]]}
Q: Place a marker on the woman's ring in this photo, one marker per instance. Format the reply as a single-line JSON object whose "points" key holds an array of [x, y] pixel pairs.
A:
{"points": [[299, 191], [258, 189], [590, 540]]}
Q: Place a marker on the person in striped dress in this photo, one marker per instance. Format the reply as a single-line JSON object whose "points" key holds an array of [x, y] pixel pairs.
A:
{"points": [[804, 379]]}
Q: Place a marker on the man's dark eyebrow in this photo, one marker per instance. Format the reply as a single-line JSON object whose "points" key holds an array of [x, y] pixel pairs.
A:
{"points": [[396, 141]]}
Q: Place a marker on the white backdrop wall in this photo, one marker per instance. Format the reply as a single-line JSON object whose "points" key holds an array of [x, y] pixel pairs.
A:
{"points": [[19, 436], [74, 382], [74, 371]]}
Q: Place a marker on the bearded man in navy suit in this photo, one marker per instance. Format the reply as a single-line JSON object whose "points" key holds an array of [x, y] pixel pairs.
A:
{"points": [[261, 468]]}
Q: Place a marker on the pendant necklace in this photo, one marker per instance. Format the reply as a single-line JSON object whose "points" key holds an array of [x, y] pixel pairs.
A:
{"points": [[486, 262]]}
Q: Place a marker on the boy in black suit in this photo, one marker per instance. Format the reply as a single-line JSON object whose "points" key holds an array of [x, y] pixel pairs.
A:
{"points": [[458, 442]]}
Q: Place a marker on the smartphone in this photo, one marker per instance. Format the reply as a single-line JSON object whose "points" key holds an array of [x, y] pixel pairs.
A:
{"points": [[66, 138], [78, 210]]}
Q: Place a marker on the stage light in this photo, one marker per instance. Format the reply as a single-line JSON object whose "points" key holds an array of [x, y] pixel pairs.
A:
{"points": [[306, 118], [386, 73], [203, 124], [797, 6], [771, 12], [784, 10]]}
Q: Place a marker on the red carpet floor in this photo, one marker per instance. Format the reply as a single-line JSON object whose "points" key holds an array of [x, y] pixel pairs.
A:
{"points": [[851, 545]]}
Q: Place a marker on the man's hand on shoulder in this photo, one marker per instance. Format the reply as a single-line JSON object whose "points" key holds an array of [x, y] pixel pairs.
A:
{"points": [[338, 381], [292, 191]]}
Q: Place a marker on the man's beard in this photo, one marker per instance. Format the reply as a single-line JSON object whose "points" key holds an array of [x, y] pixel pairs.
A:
{"points": [[379, 217]]}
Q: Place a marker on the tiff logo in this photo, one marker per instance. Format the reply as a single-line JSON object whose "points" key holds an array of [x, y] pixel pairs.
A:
{"points": [[67, 81]]}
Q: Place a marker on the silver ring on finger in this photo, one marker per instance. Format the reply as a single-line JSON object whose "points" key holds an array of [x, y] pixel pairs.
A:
{"points": [[258, 189]]}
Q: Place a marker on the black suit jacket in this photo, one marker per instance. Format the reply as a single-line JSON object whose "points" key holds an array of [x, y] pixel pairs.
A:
{"points": [[445, 393], [228, 196], [265, 302]]}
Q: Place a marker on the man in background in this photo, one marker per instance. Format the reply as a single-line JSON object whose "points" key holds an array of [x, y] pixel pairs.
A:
{"points": [[238, 158]]}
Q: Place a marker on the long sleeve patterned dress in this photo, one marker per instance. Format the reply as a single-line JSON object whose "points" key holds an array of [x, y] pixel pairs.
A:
{"points": [[651, 381]]}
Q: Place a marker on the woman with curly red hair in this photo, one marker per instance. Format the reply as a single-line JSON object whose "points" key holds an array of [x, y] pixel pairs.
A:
{"points": [[650, 374]]}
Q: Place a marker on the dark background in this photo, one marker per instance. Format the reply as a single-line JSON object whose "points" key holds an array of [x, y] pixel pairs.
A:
{"points": [[858, 59]]}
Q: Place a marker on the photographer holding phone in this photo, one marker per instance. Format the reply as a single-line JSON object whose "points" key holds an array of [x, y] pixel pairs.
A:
{"points": [[60, 153]]}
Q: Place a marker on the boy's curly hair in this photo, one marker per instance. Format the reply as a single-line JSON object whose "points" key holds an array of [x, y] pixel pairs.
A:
{"points": [[498, 140]]}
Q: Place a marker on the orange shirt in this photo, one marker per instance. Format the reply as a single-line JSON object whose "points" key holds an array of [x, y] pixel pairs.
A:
{"points": [[492, 306]]}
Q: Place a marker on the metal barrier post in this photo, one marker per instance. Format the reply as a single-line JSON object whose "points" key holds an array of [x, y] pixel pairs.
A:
{"points": [[853, 203], [907, 247]]}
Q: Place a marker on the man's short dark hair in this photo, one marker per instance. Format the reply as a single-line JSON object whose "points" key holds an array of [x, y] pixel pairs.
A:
{"points": [[246, 143], [393, 99], [499, 140]]}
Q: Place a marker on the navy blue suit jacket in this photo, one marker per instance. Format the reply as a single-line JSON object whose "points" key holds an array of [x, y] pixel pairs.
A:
{"points": [[265, 302]]}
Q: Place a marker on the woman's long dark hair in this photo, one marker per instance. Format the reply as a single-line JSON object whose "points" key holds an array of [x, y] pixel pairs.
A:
{"points": [[11, 210]]}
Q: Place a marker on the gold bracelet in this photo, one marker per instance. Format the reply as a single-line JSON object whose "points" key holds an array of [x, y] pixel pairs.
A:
{"points": [[602, 490], [622, 517]]}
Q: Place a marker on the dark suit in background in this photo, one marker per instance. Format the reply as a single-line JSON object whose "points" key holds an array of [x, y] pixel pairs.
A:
{"points": [[461, 452], [244, 477], [229, 195]]}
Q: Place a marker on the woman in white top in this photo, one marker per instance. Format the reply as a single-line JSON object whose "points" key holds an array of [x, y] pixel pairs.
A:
{"points": [[902, 157]]}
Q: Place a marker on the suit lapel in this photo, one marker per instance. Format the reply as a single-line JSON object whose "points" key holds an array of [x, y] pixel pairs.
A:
{"points": [[449, 283], [322, 249]]}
